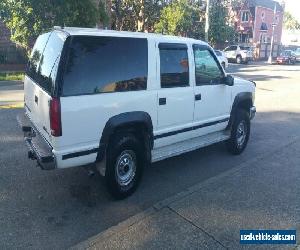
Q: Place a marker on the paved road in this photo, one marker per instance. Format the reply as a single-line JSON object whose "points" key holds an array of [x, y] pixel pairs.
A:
{"points": [[57, 209], [11, 92]]}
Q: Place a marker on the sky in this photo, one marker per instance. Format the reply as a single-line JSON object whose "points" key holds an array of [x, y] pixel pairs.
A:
{"points": [[293, 6]]}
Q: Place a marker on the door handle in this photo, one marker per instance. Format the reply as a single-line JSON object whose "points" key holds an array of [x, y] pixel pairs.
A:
{"points": [[198, 97], [162, 101], [36, 99]]}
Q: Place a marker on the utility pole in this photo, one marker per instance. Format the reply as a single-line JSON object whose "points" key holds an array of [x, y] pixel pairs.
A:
{"points": [[272, 38], [207, 21]]}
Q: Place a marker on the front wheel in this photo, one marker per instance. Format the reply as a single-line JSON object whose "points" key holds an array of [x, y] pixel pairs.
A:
{"points": [[240, 133], [124, 165]]}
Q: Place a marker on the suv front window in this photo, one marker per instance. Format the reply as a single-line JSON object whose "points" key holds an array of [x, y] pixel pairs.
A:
{"points": [[207, 69]]}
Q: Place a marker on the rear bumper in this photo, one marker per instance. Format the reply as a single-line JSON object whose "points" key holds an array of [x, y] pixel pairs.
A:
{"points": [[38, 148], [252, 112]]}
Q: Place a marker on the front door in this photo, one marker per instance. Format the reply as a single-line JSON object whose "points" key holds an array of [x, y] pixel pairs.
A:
{"points": [[212, 96]]}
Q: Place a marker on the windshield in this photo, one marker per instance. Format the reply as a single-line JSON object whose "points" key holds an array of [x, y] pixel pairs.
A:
{"points": [[286, 53], [244, 48], [43, 62]]}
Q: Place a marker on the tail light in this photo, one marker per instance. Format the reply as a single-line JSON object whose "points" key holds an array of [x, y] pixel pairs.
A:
{"points": [[55, 117]]}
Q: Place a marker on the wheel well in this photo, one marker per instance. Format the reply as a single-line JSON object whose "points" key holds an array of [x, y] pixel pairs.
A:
{"points": [[141, 132], [245, 105]]}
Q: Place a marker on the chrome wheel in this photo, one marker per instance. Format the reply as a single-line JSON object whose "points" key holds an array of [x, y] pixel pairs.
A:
{"points": [[241, 133], [125, 168]]}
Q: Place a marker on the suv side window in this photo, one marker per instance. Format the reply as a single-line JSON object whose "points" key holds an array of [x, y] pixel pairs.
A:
{"points": [[207, 69], [174, 65], [44, 59], [105, 64]]}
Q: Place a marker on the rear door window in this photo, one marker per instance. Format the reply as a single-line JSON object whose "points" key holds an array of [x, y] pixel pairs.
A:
{"points": [[105, 64], [174, 65], [42, 66]]}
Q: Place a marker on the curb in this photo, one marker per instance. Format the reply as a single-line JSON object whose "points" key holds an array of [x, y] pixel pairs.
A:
{"points": [[124, 225]]}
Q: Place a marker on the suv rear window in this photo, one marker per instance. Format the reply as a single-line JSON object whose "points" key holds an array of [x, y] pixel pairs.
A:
{"points": [[42, 66], [105, 64]]}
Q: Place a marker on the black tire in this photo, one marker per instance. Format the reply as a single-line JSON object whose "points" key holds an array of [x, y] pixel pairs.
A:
{"points": [[223, 65], [238, 59], [235, 146], [123, 147]]}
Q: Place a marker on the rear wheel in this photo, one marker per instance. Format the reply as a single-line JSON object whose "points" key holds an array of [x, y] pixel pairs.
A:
{"points": [[124, 165], [238, 59], [223, 65], [240, 132]]}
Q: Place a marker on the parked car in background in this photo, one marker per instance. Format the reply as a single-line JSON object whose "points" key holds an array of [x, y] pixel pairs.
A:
{"points": [[239, 54], [222, 58], [297, 53], [286, 57]]}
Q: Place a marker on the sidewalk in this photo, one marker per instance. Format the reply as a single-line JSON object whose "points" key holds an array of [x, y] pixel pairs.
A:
{"points": [[259, 194], [11, 94]]}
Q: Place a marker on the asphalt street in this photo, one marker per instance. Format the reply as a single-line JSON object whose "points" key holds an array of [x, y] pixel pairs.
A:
{"points": [[58, 209]]}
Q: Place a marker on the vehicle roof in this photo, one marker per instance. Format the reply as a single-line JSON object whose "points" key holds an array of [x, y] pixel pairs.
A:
{"points": [[73, 31]]}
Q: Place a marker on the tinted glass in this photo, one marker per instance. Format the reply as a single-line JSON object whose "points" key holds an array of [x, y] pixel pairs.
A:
{"points": [[44, 59], [105, 64], [286, 53], [174, 67], [207, 69], [231, 48], [244, 48]]}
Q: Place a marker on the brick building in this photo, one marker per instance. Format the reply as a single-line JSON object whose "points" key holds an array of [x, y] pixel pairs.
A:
{"points": [[254, 19]]}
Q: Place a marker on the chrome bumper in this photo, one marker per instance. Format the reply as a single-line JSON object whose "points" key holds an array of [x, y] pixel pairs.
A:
{"points": [[39, 149], [252, 112]]}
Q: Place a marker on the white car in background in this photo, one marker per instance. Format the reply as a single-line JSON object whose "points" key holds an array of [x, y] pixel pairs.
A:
{"points": [[222, 58]]}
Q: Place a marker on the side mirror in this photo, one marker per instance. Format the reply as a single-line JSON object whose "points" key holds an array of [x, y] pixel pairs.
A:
{"points": [[228, 80]]}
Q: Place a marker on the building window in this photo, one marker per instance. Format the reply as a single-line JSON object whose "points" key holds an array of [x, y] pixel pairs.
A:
{"points": [[263, 16], [277, 19], [245, 16]]}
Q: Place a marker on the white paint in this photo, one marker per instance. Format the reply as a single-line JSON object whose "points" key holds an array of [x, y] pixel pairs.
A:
{"points": [[84, 117]]}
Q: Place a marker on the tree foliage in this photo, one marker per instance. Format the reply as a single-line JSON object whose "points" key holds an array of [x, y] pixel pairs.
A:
{"points": [[220, 29], [136, 15], [28, 18], [290, 22], [181, 17]]}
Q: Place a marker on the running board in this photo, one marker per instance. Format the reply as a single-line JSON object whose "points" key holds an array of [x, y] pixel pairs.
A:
{"points": [[189, 145]]}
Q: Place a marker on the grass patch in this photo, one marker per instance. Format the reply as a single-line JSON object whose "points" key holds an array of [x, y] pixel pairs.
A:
{"points": [[12, 106], [12, 76]]}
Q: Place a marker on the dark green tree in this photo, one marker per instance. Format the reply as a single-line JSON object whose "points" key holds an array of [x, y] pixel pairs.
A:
{"points": [[28, 18], [220, 28], [181, 17]]}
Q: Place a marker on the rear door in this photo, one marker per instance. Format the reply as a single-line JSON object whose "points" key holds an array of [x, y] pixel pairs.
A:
{"points": [[175, 96], [40, 79]]}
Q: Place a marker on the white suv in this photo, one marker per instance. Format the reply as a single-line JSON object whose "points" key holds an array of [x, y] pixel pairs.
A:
{"points": [[239, 53], [121, 100]]}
